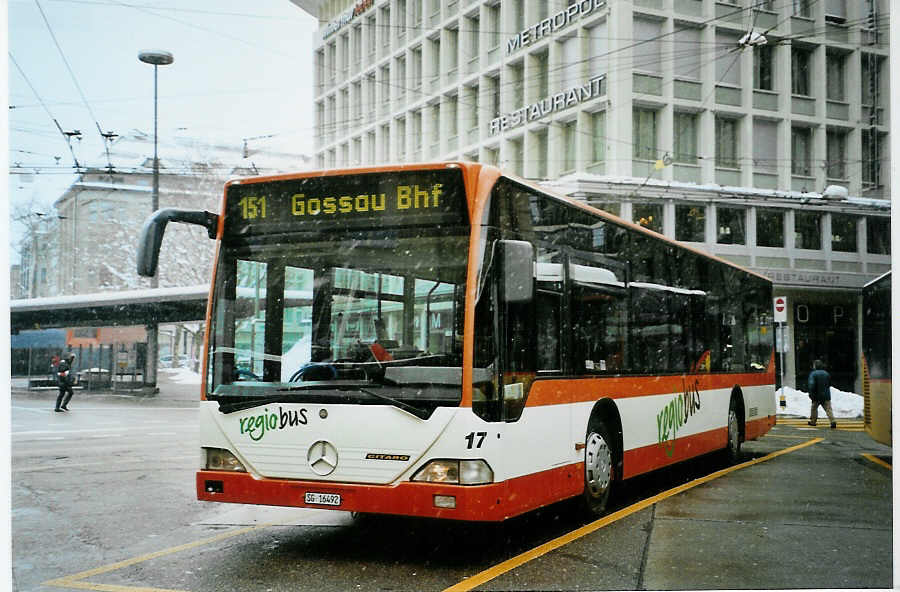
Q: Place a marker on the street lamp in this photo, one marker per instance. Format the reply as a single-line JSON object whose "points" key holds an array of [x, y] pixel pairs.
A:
{"points": [[157, 58]]}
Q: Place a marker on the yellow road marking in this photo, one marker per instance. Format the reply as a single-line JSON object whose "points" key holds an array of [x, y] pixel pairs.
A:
{"points": [[510, 564], [77, 580], [798, 436], [878, 461]]}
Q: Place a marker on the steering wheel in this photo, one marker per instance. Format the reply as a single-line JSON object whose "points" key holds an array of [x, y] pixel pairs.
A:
{"points": [[314, 371]]}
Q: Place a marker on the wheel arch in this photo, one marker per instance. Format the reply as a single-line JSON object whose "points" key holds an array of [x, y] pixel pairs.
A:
{"points": [[606, 411], [737, 395]]}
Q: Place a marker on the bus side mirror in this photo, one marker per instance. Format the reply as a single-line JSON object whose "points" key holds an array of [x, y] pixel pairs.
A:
{"points": [[155, 228], [516, 271]]}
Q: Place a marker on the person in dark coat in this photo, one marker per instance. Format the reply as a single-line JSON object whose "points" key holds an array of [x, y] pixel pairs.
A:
{"points": [[66, 378], [819, 383]]}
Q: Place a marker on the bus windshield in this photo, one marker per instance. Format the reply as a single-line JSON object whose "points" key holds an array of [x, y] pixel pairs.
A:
{"points": [[335, 309]]}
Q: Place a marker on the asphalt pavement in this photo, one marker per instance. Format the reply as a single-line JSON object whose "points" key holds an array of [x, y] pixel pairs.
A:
{"points": [[817, 515]]}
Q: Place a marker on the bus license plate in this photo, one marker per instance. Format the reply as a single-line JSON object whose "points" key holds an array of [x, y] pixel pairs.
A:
{"points": [[323, 499]]}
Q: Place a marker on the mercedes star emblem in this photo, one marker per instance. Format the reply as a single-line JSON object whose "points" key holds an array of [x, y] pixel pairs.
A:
{"points": [[322, 457]]}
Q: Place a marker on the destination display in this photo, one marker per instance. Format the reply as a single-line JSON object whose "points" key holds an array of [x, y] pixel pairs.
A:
{"points": [[389, 199]]}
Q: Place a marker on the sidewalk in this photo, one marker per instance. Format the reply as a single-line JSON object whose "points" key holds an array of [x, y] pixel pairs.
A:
{"points": [[173, 390]]}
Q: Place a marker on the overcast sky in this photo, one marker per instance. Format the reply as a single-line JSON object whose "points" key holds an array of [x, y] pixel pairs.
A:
{"points": [[241, 70]]}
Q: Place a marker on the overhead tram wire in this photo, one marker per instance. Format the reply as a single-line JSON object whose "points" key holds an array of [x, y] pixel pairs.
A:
{"points": [[67, 136], [107, 136]]}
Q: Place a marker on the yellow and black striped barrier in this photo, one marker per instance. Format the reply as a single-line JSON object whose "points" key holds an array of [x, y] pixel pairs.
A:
{"points": [[847, 425]]}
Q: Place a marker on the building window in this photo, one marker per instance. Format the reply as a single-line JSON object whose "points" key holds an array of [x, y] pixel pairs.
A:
{"points": [[543, 74], [870, 79], [843, 233], [516, 156], [836, 154], [834, 76], [769, 228], [836, 11], [878, 236], [571, 63], [648, 215], [728, 61], [598, 49], [417, 132], [540, 154], [731, 224], [401, 139], [801, 149], [416, 74], [452, 49], [726, 142], [385, 143], [416, 15], [598, 141], [686, 48], [646, 47], [763, 67], [644, 134], [493, 26], [569, 135], [690, 223], [808, 230], [518, 14], [800, 64], [803, 8], [685, 134], [401, 82], [474, 40], [490, 156], [871, 157], [765, 146], [517, 84], [400, 18]]}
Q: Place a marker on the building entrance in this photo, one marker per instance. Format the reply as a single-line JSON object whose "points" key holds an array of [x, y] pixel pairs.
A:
{"points": [[826, 332]]}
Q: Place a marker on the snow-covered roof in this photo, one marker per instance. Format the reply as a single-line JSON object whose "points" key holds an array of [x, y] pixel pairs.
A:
{"points": [[123, 297], [573, 183]]}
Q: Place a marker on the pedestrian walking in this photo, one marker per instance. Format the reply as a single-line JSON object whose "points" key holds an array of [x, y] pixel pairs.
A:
{"points": [[819, 384], [66, 378]]}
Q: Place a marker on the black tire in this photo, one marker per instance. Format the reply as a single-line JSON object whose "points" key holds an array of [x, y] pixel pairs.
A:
{"points": [[732, 452], [599, 467]]}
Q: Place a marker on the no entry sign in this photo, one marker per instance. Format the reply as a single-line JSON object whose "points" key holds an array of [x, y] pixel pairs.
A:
{"points": [[780, 304]]}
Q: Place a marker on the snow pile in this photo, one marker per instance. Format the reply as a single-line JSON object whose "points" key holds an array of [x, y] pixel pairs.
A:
{"points": [[182, 375], [842, 403]]}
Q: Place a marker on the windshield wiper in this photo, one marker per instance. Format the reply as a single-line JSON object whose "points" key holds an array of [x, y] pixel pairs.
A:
{"points": [[420, 413]]}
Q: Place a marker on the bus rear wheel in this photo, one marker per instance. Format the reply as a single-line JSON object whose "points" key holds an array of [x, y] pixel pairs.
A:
{"points": [[733, 446], [599, 468]]}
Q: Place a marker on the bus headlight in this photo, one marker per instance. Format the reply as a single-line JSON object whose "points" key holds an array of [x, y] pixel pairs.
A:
{"points": [[219, 459], [456, 472]]}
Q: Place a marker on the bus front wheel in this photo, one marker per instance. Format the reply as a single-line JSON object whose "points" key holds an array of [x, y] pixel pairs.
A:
{"points": [[599, 467]]}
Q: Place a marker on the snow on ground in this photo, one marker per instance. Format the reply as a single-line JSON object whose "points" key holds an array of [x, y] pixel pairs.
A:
{"points": [[843, 404], [182, 375]]}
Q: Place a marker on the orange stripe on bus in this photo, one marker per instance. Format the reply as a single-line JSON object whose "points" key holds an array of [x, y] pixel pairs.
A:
{"points": [[557, 391]]}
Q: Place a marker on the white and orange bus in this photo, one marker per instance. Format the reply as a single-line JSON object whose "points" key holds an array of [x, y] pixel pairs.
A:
{"points": [[444, 340]]}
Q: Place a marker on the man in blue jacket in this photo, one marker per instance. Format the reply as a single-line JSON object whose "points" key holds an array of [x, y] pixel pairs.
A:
{"points": [[820, 393]]}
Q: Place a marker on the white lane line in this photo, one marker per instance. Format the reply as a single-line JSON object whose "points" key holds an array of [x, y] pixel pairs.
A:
{"points": [[161, 434]]}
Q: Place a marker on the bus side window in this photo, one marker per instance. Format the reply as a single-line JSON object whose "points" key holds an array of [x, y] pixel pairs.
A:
{"points": [[548, 316]]}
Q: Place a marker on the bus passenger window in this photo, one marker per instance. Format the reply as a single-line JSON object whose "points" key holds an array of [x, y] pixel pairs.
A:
{"points": [[548, 331]]}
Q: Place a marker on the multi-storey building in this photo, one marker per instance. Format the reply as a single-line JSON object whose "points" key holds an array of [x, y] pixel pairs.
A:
{"points": [[102, 212], [718, 123]]}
